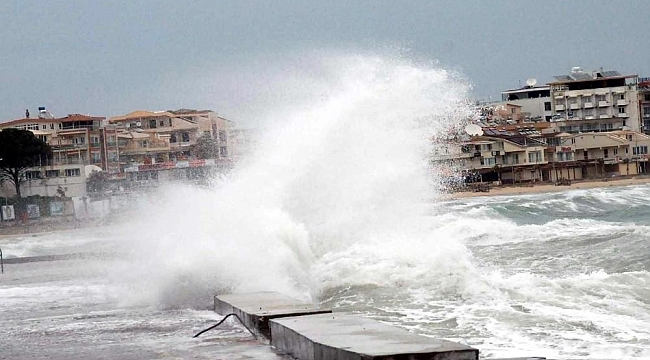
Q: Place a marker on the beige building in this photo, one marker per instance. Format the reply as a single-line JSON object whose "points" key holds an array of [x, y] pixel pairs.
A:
{"points": [[531, 155], [595, 101], [162, 136]]}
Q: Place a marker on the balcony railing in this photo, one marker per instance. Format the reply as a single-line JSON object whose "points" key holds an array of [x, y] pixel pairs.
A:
{"points": [[588, 105], [560, 107], [621, 102], [574, 106], [603, 103], [622, 115]]}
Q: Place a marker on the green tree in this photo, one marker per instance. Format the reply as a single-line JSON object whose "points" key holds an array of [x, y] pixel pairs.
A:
{"points": [[20, 150], [206, 147]]}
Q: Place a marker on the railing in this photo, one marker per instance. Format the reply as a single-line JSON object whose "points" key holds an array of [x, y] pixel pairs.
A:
{"points": [[2, 264]]}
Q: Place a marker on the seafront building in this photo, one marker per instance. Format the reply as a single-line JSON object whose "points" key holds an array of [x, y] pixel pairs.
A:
{"points": [[580, 126], [139, 149], [595, 101]]}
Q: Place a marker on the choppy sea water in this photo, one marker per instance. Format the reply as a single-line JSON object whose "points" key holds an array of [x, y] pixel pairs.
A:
{"points": [[562, 275]]}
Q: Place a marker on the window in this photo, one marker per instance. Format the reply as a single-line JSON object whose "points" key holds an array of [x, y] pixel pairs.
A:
{"points": [[32, 175], [547, 106], [564, 156], [172, 138], [185, 137], [144, 143], [52, 173], [646, 111], [621, 110], [152, 124], [605, 153], [622, 97], [60, 126], [223, 151], [112, 156], [646, 97], [52, 126], [161, 123], [615, 152], [639, 150], [573, 140], [515, 158], [534, 157], [43, 127], [73, 172], [95, 157]]}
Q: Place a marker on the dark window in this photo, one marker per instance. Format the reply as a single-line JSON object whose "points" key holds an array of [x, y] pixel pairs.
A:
{"points": [[152, 124], [185, 137], [172, 138], [547, 106]]}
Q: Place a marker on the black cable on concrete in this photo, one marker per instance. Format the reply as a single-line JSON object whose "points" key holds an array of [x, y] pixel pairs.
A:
{"points": [[222, 320]]}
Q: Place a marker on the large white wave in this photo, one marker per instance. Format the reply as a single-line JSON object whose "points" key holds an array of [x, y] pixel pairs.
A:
{"points": [[333, 195]]}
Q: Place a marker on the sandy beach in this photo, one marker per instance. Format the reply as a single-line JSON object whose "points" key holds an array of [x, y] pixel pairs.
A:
{"points": [[546, 188]]}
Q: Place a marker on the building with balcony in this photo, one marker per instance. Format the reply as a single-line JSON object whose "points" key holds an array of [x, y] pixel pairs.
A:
{"points": [[151, 137], [597, 101], [644, 103]]}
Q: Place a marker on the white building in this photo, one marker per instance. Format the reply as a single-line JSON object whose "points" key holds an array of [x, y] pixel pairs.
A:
{"points": [[595, 101], [535, 102]]}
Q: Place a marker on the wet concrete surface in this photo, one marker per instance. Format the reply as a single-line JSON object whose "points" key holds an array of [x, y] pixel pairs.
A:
{"points": [[67, 309]]}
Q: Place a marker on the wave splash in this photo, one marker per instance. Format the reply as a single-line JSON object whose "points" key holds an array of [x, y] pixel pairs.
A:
{"points": [[334, 194]]}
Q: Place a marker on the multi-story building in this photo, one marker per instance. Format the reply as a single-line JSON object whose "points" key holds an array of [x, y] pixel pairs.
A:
{"points": [[595, 101], [530, 154], [77, 141], [644, 103], [162, 145], [163, 136]]}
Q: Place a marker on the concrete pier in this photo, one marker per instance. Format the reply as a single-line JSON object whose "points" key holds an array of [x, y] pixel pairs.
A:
{"points": [[349, 337], [256, 309]]}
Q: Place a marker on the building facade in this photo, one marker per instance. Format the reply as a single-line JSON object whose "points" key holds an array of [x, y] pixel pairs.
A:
{"points": [[597, 101]]}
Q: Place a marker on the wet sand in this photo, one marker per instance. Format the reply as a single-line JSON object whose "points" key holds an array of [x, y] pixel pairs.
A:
{"points": [[546, 188]]}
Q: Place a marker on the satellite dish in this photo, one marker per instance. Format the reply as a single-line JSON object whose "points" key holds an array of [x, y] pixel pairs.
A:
{"points": [[473, 130], [531, 82]]}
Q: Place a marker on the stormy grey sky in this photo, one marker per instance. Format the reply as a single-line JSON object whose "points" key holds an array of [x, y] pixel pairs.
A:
{"points": [[111, 57]]}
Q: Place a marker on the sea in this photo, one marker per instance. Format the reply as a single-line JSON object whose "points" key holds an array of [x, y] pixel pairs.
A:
{"points": [[338, 204]]}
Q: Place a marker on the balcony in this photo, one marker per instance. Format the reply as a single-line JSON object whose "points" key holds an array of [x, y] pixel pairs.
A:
{"points": [[574, 106], [560, 107], [604, 116], [622, 102], [589, 117], [588, 105], [603, 103], [622, 115]]}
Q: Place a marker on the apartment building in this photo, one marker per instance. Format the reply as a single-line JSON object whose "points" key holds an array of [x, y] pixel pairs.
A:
{"points": [[644, 103], [162, 145], [77, 141], [530, 154], [595, 101], [153, 137]]}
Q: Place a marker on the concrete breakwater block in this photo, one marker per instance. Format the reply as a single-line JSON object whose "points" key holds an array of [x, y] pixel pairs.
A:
{"points": [[348, 337], [256, 309]]}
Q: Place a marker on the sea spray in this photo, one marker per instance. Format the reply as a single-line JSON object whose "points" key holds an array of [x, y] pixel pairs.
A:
{"points": [[341, 179]]}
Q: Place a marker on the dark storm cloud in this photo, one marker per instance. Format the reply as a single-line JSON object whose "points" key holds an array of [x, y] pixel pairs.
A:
{"points": [[110, 57]]}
